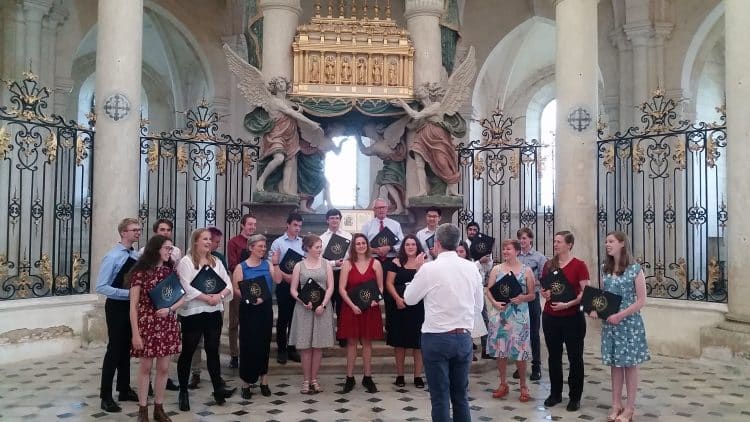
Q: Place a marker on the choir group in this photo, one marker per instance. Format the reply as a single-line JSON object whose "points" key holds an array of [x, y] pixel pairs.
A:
{"points": [[329, 288]]}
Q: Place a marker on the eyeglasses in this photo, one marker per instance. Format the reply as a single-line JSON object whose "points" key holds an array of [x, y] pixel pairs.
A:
{"points": [[134, 230]]}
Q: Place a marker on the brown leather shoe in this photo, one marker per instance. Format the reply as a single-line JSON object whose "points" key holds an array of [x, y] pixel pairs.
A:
{"points": [[159, 414], [143, 414]]}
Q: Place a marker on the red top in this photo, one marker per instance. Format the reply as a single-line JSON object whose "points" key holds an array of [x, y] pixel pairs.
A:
{"points": [[368, 324], [575, 271], [234, 249]]}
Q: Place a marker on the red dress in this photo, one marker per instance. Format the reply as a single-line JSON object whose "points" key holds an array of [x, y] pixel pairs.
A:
{"points": [[367, 325], [161, 336]]}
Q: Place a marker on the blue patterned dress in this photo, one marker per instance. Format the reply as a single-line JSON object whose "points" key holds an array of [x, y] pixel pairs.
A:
{"points": [[624, 344], [509, 330]]}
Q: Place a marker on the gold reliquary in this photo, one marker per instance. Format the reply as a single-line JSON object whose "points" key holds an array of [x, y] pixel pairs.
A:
{"points": [[354, 56]]}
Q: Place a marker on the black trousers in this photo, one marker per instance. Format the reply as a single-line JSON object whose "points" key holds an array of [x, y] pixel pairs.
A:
{"points": [[285, 304], [117, 357], [535, 319], [570, 331], [208, 325]]}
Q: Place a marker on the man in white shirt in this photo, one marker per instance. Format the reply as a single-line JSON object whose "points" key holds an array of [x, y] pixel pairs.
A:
{"points": [[452, 291], [432, 218], [377, 224], [333, 218]]}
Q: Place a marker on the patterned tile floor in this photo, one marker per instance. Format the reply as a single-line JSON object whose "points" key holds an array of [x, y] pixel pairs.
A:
{"points": [[66, 387]]}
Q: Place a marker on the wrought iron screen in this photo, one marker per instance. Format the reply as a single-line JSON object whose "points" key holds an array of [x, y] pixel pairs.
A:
{"points": [[45, 173], [664, 185], [195, 177], [501, 182]]}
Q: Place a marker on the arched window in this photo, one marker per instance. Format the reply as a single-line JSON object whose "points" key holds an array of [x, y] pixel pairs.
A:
{"points": [[341, 173], [547, 127]]}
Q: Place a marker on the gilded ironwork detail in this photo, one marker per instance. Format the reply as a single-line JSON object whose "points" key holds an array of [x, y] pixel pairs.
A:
{"points": [[479, 168], [152, 157], [182, 158], [50, 147], [45, 270], [5, 145], [662, 183], [221, 161]]}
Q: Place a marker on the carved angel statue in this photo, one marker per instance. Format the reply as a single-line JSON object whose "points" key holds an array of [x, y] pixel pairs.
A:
{"points": [[281, 141], [311, 178], [431, 141], [387, 143]]}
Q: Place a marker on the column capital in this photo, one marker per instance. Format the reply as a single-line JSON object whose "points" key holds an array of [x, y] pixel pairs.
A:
{"points": [[663, 30], [36, 8], [639, 32], [290, 5], [423, 7]]}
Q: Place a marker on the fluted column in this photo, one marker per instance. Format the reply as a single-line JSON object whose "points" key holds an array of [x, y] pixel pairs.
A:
{"points": [[280, 19], [423, 23], [737, 17], [116, 147], [576, 84], [33, 12]]}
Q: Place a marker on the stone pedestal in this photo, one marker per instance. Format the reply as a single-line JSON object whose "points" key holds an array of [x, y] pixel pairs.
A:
{"points": [[270, 216], [576, 84], [733, 335]]}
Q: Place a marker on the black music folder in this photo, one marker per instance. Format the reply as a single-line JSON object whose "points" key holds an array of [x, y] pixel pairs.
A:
{"points": [[254, 288], [363, 295], [117, 282], [506, 288], [208, 282], [603, 302], [556, 282], [167, 292], [310, 291], [336, 248], [290, 259], [384, 238], [481, 246]]}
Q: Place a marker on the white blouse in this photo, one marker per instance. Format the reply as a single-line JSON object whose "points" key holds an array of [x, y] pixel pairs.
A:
{"points": [[187, 271]]}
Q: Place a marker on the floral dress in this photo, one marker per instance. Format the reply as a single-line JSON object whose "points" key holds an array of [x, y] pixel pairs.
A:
{"points": [[624, 344], [509, 330], [161, 336]]}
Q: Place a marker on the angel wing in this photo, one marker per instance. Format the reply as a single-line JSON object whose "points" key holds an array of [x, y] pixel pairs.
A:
{"points": [[459, 85], [312, 133], [394, 131], [249, 80]]}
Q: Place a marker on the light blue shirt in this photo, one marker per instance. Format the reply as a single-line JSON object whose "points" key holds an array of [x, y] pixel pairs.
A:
{"points": [[111, 265], [534, 260], [372, 228], [283, 243]]}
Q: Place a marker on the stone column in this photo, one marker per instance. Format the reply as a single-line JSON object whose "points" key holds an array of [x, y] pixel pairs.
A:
{"points": [[737, 16], [639, 36], [280, 19], [116, 146], [34, 11], [575, 151], [423, 23]]}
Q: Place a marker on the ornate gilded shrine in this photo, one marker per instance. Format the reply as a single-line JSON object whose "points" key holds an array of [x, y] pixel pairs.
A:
{"points": [[361, 55]]}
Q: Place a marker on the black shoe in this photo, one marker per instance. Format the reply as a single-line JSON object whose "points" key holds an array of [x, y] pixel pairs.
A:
{"points": [[573, 405], [536, 374], [418, 382], [515, 375], [128, 395], [183, 401], [220, 396], [348, 385], [234, 362], [342, 342], [552, 400], [109, 405], [171, 386], [264, 390], [400, 382], [369, 384], [246, 393], [282, 357], [150, 389], [294, 356], [486, 356], [195, 381]]}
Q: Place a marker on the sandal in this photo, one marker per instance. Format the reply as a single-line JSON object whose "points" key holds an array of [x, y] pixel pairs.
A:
{"points": [[315, 387], [625, 416], [305, 387], [616, 410], [502, 391], [525, 394]]}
